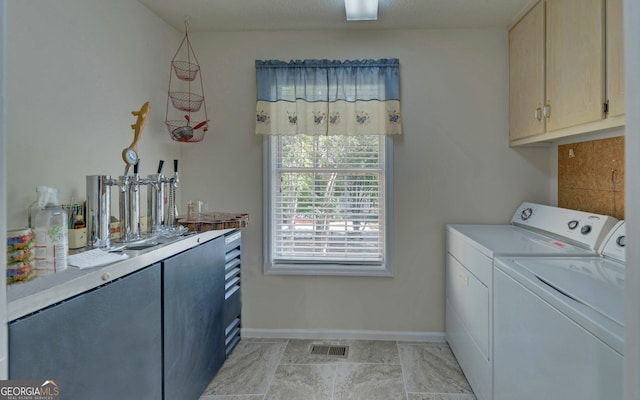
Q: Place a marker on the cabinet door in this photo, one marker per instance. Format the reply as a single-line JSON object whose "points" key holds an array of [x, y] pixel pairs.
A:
{"points": [[526, 75], [615, 58], [104, 344], [575, 62], [193, 295]]}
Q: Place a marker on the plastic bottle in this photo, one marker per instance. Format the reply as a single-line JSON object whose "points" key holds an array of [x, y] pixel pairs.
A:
{"points": [[52, 240], [42, 193]]}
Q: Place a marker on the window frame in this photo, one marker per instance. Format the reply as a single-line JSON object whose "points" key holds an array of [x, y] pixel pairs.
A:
{"points": [[384, 269]]}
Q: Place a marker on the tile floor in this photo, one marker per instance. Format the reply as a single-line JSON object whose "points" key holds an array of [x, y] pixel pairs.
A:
{"points": [[264, 369]]}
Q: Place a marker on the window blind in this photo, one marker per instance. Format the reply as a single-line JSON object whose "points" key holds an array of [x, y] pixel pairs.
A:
{"points": [[328, 199]]}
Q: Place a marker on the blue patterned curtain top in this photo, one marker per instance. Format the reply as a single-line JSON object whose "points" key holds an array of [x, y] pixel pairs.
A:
{"points": [[328, 97]]}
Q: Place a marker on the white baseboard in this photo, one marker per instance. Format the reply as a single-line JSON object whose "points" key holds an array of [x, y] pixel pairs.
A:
{"points": [[342, 334]]}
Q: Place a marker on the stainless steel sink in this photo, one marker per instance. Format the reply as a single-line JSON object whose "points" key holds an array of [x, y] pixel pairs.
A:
{"points": [[137, 245], [149, 242], [141, 246]]}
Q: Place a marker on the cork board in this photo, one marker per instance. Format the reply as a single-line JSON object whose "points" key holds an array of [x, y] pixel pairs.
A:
{"points": [[591, 176]]}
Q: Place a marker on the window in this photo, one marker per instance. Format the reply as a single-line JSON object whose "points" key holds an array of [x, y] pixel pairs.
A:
{"points": [[327, 164], [328, 204]]}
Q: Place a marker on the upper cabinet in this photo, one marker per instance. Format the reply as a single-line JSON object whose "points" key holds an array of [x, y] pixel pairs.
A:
{"points": [[526, 75], [575, 63], [565, 70], [615, 58]]}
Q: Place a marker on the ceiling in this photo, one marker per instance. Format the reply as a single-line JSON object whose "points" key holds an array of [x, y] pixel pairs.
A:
{"points": [[269, 15]]}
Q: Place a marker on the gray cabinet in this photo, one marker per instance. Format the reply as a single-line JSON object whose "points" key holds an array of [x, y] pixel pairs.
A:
{"points": [[103, 344], [232, 300], [157, 333], [193, 298]]}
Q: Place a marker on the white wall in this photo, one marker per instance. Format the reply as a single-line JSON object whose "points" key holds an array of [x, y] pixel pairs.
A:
{"points": [[76, 70], [632, 198], [3, 194], [452, 165]]}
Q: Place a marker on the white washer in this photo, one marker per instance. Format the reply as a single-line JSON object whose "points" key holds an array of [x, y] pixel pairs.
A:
{"points": [[559, 325], [535, 230]]}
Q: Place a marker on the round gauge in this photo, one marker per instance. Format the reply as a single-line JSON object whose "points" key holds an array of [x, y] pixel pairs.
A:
{"points": [[130, 156]]}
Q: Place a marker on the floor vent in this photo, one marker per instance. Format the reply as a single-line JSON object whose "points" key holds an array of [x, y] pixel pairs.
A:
{"points": [[332, 351]]}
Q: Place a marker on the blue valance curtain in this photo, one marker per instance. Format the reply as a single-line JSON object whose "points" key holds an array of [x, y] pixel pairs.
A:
{"points": [[328, 97]]}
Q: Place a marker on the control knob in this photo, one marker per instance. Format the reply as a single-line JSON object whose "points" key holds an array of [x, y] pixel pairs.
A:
{"points": [[585, 229], [621, 241], [526, 213], [573, 224]]}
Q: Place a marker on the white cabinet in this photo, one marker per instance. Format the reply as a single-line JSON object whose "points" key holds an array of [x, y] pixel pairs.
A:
{"points": [[563, 80]]}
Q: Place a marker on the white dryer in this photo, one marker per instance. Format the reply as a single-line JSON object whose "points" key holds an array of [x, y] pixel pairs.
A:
{"points": [[559, 325], [535, 229]]}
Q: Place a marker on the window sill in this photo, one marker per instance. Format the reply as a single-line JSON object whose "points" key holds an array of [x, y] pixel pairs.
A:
{"points": [[328, 270]]}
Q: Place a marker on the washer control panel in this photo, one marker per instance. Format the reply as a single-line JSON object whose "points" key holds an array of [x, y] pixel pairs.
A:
{"points": [[615, 243], [578, 227], [526, 213]]}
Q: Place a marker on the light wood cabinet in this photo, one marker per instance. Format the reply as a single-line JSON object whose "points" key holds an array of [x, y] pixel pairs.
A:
{"points": [[565, 70], [575, 62], [615, 57], [526, 75]]}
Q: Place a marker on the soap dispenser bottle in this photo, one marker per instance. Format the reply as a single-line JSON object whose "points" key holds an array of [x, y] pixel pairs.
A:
{"points": [[42, 193], [52, 240]]}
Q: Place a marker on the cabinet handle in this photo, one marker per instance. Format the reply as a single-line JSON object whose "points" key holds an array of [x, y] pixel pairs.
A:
{"points": [[547, 111], [538, 114]]}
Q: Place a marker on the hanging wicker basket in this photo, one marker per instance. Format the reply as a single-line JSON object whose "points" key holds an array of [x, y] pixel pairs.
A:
{"points": [[185, 70], [186, 101], [186, 97], [178, 132]]}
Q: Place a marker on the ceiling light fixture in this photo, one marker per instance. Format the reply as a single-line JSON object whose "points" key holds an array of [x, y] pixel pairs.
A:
{"points": [[361, 10]]}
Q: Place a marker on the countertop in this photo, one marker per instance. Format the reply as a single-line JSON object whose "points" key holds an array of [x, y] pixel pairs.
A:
{"points": [[26, 298]]}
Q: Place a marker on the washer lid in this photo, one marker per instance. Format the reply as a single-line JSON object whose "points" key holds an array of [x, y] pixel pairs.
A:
{"points": [[495, 240], [597, 283]]}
